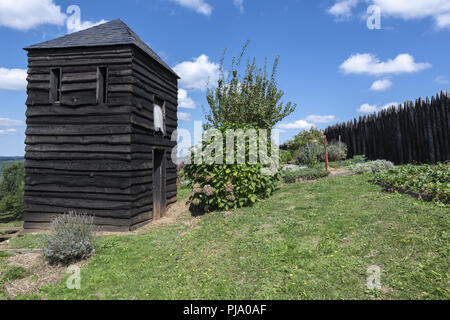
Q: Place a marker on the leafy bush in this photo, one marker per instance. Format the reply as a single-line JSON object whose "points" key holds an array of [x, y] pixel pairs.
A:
{"points": [[373, 166], [227, 186], [11, 192], [303, 174], [334, 152], [285, 157], [71, 238], [308, 155], [431, 180]]}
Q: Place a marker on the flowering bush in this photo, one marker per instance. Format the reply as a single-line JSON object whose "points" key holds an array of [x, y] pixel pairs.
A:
{"points": [[71, 238], [226, 186]]}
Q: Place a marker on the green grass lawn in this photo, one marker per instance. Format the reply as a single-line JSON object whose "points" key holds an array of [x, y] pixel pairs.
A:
{"points": [[311, 240]]}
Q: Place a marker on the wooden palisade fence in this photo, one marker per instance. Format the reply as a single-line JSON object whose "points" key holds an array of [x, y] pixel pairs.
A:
{"points": [[408, 133]]}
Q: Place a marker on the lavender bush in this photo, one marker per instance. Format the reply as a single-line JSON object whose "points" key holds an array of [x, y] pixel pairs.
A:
{"points": [[71, 238]]}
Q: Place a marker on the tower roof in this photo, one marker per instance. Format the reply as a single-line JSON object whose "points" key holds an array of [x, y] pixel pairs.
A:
{"points": [[111, 33]]}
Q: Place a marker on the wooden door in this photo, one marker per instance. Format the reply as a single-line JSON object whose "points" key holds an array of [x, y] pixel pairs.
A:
{"points": [[159, 184]]}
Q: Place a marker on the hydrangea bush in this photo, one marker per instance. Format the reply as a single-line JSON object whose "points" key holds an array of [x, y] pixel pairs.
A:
{"points": [[226, 186], [71, 238]]}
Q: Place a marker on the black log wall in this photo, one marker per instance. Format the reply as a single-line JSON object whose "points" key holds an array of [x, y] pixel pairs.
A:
{"points": [[153, 81], [413, 132], [91, 157]]}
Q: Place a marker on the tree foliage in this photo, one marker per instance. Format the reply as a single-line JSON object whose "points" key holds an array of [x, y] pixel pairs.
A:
{"points": [[247, 96], [300, 140], [11, 192]]}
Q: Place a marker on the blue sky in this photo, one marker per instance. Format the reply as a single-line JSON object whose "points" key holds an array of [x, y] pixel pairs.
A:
{"points": [[332, 65]]}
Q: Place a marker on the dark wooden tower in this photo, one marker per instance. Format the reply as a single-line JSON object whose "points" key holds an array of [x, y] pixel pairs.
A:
{"points": [[101, 109]]}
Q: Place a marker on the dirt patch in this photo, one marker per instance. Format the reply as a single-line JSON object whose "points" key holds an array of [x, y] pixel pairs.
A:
{"points": [[173, 213], [341, 173], [41, 273]]}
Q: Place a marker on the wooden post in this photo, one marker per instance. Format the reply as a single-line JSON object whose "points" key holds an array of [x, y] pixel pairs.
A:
{"points": [[326, 154]]}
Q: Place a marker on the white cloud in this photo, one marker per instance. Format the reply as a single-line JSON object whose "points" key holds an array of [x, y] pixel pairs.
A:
{"points": [[441, 80], [439, 10], [389, 105], [13, 79], [443, 21], [239, 4], [369, 108], [7, 131], [74, 23], [26, 14], [369, 64], [184, 101], [381, 85], [343, 8], [299, 124], [198, 73], [320, 119], [184, 116], [199, 6], [6, 122], [307, 123]]}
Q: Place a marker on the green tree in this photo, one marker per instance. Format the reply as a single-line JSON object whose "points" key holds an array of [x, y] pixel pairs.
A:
{"points": [[11, 192], [300, 140], [247, 97]]}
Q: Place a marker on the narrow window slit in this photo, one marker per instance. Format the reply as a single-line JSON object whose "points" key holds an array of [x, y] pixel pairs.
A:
{"points": [[55, 85], [102, 86]]}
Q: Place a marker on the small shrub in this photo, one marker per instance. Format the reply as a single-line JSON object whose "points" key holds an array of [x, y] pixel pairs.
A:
{"points": [[71, 238], [290, 176], [308, 155], [334, 152], [358, 159], [373, 166]]}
